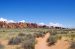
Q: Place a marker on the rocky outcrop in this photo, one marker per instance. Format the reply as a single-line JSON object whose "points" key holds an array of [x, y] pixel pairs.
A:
{"points": [[4, 24]]}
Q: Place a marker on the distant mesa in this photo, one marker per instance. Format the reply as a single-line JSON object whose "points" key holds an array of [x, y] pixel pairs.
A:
{"points": [[5, 24]]}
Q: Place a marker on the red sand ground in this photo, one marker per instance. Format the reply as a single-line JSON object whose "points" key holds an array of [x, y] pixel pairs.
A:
{"points": [[5, 44], [42, 44]]}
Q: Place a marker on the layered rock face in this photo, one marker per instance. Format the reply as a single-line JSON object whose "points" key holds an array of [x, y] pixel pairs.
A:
{"points": [[4, 24]]}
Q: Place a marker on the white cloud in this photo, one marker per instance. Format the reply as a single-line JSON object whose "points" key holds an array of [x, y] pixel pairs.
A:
{"points": [[23, 21], [41, 24], [11, 21], [2, 19], [56, 24], [52, 24], [8, 21]]}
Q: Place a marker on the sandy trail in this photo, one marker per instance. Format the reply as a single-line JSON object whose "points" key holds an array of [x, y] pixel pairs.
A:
{"points": [[42, 44], [61, 44]]}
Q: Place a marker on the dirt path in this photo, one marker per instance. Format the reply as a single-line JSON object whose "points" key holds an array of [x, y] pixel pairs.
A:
{"points": [[61, 44], [42, 44]]}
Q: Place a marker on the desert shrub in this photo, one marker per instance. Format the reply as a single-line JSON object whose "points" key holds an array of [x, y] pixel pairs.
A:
{"points": [[1, 46], [39, 34], [53, 33], [21, 34], [51, 40], [14, 41], [72, 36], [72, 45], [29, 42], [17, 40], [59, 37]]}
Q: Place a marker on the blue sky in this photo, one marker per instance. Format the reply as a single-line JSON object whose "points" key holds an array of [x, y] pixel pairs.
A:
{"points": [[39, 11]]}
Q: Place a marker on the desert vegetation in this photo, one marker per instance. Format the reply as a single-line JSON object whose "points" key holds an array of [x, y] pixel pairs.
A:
{"points": [[72, 46], [26, 38]]}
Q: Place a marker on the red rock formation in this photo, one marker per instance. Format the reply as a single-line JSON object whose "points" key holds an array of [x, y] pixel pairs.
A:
{"points": [[3, 24]]}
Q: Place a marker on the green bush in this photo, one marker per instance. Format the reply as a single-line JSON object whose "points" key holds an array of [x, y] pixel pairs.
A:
{"points": [[29, 42], [21, 34], [52, 40], [39, 34], [14, 41], [17, 40]]}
